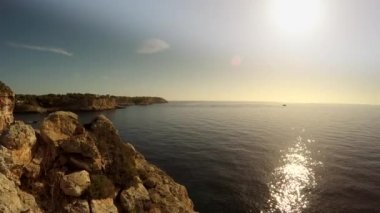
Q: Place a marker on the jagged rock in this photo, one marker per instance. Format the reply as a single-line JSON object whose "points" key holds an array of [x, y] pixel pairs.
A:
{"points": [[16, 150], [117, 157], [164, 192], [76, 183], [7, 102], [77, 206], [103, 206], [18, 135], [9, 199], [134, 197]]}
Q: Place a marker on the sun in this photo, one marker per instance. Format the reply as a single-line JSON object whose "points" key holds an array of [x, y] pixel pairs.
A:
{"points": [[297, 16]]}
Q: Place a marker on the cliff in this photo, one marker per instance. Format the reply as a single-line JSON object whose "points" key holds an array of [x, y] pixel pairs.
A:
{"points": [[79, 102], [66, 166]]}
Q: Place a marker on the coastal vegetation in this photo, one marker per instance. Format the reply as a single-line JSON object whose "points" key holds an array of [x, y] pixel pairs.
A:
{"points": [[79, 102]]}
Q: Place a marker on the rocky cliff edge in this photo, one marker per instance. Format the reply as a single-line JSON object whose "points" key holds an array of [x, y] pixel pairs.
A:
{"points": [[66, 166]]}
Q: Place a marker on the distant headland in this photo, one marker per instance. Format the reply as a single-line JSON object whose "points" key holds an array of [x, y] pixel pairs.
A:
{"points": [[79, 102]]}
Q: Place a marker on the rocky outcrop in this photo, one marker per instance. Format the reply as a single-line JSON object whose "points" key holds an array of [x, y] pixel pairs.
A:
{"points": [[66, 166], [6, 106]]}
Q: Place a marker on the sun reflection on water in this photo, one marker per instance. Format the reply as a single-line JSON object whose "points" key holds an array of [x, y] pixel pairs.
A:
{"points": [[292, 181]]}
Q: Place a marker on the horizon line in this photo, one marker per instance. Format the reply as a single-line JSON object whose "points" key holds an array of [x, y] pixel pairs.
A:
{"points": [[279, 102]]}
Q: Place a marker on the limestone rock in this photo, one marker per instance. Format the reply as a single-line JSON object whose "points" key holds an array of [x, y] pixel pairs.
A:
{"points": [[59, 126], [7, 102], [117, 157], [164, 192], [76, 183], [134, 197], [9, 199], [16, 150], [18, 135], [29, 202], [103, 206]]}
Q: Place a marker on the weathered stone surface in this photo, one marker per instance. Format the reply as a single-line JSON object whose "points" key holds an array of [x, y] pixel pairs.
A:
{"points": [[103, 206], [76, 183], [7, 102], [134, 197], [18, 135], [29, 203], [9, 199], [164, 192], [16, 148], [117, 157], [77, 206], [59, 126]]}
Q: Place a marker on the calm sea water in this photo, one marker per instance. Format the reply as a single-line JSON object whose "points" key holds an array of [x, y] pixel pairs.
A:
{"points": [[254, 157]]}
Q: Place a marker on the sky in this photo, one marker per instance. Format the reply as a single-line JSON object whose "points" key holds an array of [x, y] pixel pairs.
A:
{"points": [[309, 51]]}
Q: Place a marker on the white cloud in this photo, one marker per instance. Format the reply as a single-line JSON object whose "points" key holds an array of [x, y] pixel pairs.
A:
{"points": [[151, 46], [236, 61], [55, 50]]}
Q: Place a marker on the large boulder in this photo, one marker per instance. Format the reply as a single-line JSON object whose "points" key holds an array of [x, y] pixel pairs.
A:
{"points": [[117, 158], [7, 102], [76, 183], [58, 127], [17, 144], [18, 135], [65, 135]]}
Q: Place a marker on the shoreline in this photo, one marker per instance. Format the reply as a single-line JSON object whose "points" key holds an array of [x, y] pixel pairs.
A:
{"points": [[79, 102]]}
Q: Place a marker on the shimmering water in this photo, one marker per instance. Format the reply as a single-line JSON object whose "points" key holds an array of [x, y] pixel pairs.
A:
{"points": [[255, 157]]}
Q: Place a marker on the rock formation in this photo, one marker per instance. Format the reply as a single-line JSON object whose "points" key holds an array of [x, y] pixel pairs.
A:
{"points": [[6, 106], [69, 167]]}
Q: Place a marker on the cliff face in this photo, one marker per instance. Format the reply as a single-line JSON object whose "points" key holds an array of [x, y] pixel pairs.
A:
{"points": [[69, 167], [6, 106], [79, 102]]}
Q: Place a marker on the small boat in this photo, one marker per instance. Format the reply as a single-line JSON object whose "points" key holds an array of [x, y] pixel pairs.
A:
{"points": [[284, 105]]}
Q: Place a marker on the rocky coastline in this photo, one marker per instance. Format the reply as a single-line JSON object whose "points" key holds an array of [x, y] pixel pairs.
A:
{"points": [[66, 166], [78, 102]]}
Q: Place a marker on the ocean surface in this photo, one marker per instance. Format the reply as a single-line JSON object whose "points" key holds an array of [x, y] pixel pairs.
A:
{"points": [[260, 157]]}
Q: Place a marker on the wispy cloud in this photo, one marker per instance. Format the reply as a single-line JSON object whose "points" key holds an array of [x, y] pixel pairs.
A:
{"points": [[55, 50], [236, 61], [153, 45]]}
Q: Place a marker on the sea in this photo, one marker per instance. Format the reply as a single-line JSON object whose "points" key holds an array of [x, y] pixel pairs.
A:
{"points": [[260, 157]]}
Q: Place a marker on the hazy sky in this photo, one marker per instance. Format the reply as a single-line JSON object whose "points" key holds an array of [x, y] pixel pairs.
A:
{"points": [[254, 50]]}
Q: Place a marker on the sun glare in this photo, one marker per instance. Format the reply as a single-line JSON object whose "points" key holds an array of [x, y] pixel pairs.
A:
{"points": [[297, 16]]}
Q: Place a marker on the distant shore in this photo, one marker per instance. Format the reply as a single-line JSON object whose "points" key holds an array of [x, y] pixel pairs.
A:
{"points": [[78, 102]]}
